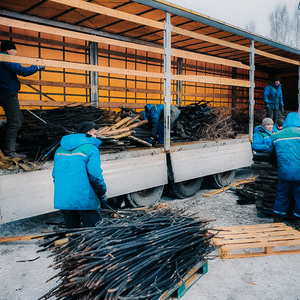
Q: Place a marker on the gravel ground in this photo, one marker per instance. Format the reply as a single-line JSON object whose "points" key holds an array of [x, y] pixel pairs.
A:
{"points": [[23, 271]]}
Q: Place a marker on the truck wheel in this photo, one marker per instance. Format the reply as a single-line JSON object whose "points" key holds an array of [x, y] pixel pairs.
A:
{"points": [[223, 179], [186, 188], [147, 197]]}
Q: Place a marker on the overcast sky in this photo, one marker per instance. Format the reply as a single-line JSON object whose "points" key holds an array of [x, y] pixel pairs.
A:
{"points": [[239, 12]]}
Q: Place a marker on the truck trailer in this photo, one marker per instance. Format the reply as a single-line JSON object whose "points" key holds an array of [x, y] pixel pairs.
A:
{"points": [[110, 54]]}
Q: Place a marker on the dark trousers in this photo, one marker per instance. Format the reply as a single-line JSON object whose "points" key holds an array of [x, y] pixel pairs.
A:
{"points": [[285, 191], [89, 218], [9, 102], [273, 114]]}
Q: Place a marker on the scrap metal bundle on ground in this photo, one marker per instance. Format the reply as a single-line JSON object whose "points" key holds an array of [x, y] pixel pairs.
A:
{"points": [[139, 256]]}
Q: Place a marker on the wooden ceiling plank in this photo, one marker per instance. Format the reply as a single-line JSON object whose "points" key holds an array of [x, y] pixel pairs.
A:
{"points": [[77, 35], [77, 66], [147, 22], [212, 80], [210, 59], [110, 12]]}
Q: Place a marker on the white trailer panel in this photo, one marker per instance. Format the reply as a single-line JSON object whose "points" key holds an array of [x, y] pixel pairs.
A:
{"points": [[134, 174], [26, 195], [206, 158], [29, 194]]}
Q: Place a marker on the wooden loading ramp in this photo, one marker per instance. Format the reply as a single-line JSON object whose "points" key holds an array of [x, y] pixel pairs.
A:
{"points": [[256, 240]]}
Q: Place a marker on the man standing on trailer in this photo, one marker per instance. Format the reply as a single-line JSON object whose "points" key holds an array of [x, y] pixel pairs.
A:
{"points": [[274, 99], [286, 144], [79, 187], [9, 87]]}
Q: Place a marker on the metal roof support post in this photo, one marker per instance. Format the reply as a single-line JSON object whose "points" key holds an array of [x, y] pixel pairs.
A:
{"points": [[94, 75], [167, 81], [299, 87], [251, 92], [179, 82]]}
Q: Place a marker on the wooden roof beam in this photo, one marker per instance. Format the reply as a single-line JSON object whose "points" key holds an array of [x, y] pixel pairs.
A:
{"points": [[83, 36]]}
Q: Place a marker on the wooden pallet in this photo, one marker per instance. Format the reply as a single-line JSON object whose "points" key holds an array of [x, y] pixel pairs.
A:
{"points": [[182, 287], [266, 236]]}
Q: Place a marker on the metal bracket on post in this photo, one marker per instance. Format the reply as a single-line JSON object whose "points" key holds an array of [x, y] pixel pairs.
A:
{"points": [[167, 81], [251, 92], [93, 74]]}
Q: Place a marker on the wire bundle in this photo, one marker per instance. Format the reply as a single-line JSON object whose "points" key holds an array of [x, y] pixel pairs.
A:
{"points": [[136, 257]]}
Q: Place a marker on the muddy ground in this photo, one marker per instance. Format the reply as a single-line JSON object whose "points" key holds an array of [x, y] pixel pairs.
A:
{"points": [[23, 271]]}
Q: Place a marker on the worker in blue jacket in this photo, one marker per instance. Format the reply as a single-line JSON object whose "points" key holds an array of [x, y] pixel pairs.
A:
{"points": [[274, 99], [260, 142], [79, 187], [286, 145], [9, 87], [155, 116]]}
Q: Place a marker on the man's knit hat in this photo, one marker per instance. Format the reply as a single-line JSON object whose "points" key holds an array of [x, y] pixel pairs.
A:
{"points": [[85, 126], [7, 45], [280, 122], [267, 121]]}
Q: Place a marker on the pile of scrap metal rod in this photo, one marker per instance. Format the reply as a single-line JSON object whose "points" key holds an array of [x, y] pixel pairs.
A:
{"points": [[138, 256], [42, 130], [198, 121]]}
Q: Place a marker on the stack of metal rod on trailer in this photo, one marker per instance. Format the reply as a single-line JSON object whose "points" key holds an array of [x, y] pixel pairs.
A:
{"points": [[42, 130], [135, 256]]}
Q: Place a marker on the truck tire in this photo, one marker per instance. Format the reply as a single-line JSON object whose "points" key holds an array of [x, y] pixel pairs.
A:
{"points": [[223, 179], [148, 197], [185, 188]]}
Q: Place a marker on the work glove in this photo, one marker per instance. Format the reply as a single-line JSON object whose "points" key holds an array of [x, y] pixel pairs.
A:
{"points": [[103, 201], [151, 140], [42, 68]]}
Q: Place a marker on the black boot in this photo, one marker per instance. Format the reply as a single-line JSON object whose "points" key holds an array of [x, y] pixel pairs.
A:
{"points": [[297, 223], [277, 218]]}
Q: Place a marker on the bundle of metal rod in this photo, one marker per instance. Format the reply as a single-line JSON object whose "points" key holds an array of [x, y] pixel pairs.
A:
{"points": [[139, 256], [199, 121]]}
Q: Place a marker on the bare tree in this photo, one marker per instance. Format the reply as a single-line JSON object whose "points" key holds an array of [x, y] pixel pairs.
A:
{"points": [[280, 24], [296, 28], [251, 26]]}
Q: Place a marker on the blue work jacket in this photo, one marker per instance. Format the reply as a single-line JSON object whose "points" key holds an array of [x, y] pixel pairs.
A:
{"points": [[286, 144], [9, 72], [77, 173], [273, 96], [260, 142]]}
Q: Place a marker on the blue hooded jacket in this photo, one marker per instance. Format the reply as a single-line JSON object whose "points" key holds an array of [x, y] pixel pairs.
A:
{"points": [[273, 96], [77, 173], [286, 144], [9, 72], [260, 142], [155, 116]]}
